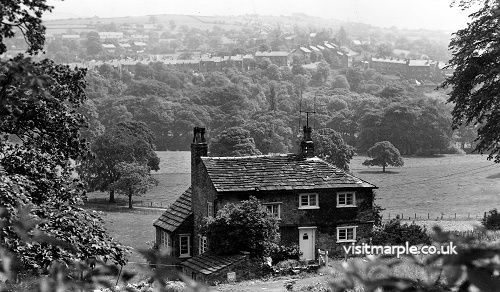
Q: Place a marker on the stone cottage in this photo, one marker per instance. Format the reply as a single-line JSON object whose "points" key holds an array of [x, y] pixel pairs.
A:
{"points": [[319, 205]]}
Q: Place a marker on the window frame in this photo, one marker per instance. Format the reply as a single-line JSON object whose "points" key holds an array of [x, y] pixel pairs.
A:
{"points": [[354, 228], [166, 241], [188, 254], [210, 209], [309, 206], [345, 205], [274, 204], [202, 244]]}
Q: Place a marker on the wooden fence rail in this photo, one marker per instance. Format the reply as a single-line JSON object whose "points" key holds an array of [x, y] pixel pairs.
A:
{"points": [[433, 216]]}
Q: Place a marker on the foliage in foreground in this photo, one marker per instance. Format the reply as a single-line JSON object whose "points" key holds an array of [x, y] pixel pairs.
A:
{"points": [[246, 226], [82, 275], [473, 267]]}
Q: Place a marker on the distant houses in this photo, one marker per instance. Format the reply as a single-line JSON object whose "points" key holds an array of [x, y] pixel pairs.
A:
{"points": [[412, 69]]}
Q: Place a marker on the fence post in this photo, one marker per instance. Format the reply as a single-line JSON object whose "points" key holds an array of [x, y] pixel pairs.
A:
{"points": [[428, 216]]}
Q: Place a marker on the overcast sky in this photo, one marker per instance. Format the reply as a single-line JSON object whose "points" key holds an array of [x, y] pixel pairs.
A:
{"points": [[429, 14]]}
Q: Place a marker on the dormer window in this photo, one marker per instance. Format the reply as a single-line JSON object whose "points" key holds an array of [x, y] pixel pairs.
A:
{"points": [[346, 199], [308, 201]]}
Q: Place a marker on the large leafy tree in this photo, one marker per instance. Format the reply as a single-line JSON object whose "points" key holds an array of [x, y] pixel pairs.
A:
{"points": [[130, 142], [134, 180], [40, 144], [234, 141], [384, 154], [330, 146], [475, 83]]}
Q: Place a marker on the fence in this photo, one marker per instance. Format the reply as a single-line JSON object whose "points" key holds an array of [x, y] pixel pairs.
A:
{"points": [[434, 216]]}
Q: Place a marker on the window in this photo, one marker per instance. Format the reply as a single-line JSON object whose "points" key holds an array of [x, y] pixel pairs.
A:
{"points": [[308, 201], [346, 199], [346, 234], [184, 245], [165, 241], [210, 209], [202, 244], [274, 209]]}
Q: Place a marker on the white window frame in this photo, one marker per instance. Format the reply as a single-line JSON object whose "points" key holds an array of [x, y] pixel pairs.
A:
{"points": [[339, 205], [309, 206], [354, 228], [188, 254], [278, 204], [166, 241], [202, 244], [210, 209]]}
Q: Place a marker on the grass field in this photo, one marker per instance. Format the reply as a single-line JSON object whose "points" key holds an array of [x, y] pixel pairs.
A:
{"points": [[449, 184]]}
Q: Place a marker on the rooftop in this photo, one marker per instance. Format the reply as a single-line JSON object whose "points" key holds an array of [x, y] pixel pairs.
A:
{"points": [[396, 61], [277, 172], [209, 263], [176, 214], [422, 63], [272, 54]]}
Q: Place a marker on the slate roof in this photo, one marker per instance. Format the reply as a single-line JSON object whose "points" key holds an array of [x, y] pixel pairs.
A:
{"points": [[176, 214], [209, 263], [277, 172], [272, 54]]}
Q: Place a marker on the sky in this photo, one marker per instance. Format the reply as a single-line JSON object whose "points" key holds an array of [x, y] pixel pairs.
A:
{"points": [[413, 14]]}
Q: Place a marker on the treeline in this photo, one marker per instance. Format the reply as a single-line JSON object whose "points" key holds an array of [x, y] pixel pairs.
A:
{"points": [[362, 105]]}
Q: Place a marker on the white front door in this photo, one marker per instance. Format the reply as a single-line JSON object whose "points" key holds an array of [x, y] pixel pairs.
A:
{"points": [[307, 237]]}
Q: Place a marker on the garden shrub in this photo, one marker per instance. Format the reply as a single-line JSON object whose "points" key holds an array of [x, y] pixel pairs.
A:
{"points": [[492, 220], [393, 233], [284, 252]]}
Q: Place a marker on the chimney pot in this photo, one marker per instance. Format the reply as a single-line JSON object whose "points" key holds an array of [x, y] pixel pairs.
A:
{"points": [[307, 145]]}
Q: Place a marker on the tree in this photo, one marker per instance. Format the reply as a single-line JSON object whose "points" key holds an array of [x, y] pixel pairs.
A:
{"points": [[246, 226], [323, 71], [330, 146], [134, 179], [130, 142], [384, 154], [40, 143], [342, 37], [93, 43], [234, 141], [474, 83], [340, 81]]}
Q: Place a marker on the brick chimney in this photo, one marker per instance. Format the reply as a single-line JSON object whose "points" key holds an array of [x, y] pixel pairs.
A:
{"points": [[307, 145], [199, 148]]}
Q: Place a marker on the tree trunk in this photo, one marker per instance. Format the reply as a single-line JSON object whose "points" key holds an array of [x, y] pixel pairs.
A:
{"points": [[383, 168], [130, 200], [112, 196]]}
